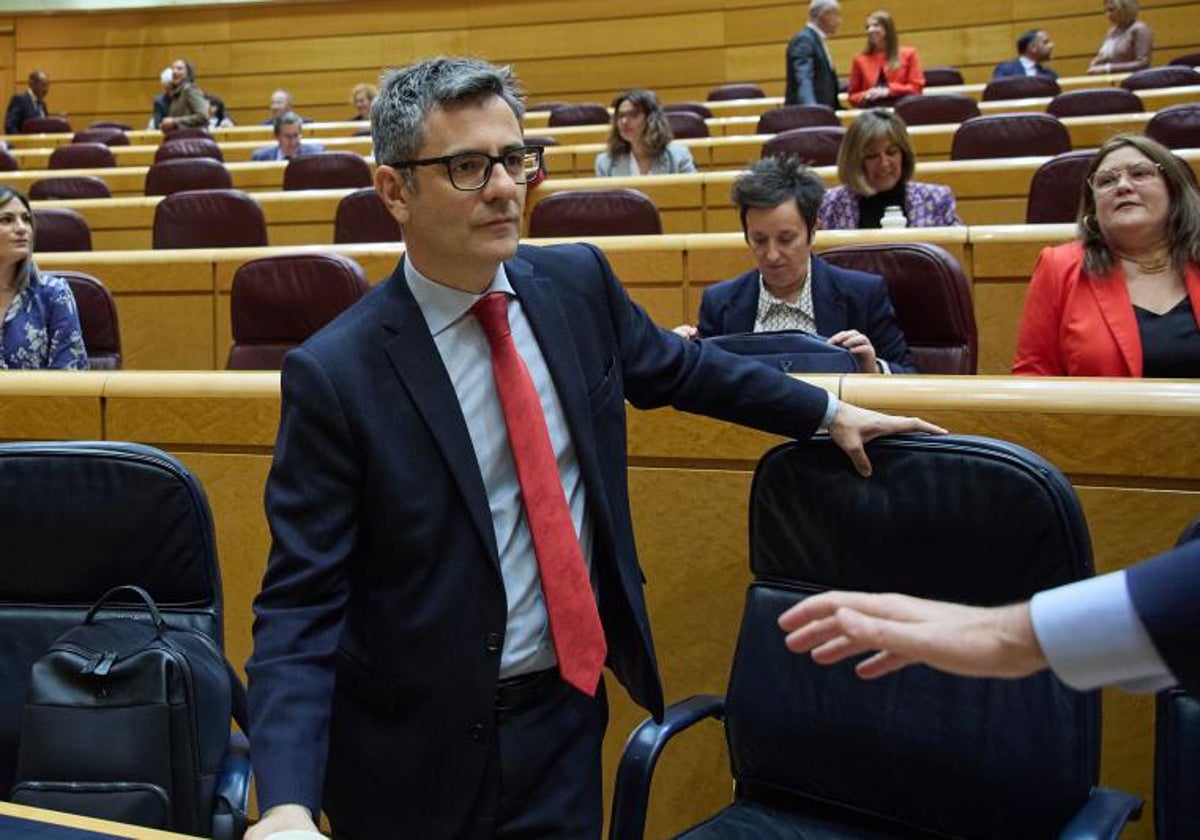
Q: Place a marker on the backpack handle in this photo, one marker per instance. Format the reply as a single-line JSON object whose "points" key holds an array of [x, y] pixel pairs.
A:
{"points": [[155, 616]]}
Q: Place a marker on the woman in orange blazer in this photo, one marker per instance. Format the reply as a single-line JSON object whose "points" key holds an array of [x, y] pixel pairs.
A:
{"points": [[884, 71], [1124, 298]]}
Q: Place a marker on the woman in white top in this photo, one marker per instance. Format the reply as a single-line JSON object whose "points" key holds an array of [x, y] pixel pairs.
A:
{"points": [[640, 141]]}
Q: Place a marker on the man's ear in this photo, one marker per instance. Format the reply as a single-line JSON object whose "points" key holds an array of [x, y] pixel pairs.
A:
{"points": [[389, 183]]}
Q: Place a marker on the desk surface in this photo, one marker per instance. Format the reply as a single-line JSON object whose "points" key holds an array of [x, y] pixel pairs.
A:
{"points": [[38, 824]]}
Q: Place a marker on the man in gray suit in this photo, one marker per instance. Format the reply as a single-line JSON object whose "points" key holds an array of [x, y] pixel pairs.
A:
{"points": [[811, 77]]}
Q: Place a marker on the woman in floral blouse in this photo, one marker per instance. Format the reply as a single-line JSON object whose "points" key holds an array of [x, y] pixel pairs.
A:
{"points": [[40, 327]]}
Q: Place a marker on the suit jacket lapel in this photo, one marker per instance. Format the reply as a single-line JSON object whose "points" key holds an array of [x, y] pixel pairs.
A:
{"points": [[743, 304], [1112, 296], [418, 364], [829, 306]]}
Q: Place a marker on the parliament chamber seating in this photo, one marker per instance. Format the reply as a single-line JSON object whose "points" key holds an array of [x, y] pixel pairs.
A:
{"points": [[735, 90], [66, 187], [174, 148], [8, 163], [119, 126], [187, 132], [1009, 135], [363, 217], [208, 219], [1161, 77], [97, 318], [778, 120], [1186, 60], [60, 229], [277, 302], [612, 212], [685, 124], [585, 113], [936, 109], [107, 136], [814, 750], [327, 171], [697, 108], [931, 296], [181, 174], [942, 76], [1057, 187], [1020, 87], [45, 125], [1177, 127], [1092, 101], [82, 156], [816, 145]]}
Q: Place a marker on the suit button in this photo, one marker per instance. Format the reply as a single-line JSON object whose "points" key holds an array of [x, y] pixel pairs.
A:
{"points": [[477, 731], [493, 642]]}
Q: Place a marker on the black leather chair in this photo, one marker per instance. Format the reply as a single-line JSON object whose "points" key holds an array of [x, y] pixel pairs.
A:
{"points": [[787, 117], [942, 76], [1094, 101], [619, 212], [97, 318], [1020, 87], [936, 109], [60, 229], [735, 90], [1056, 188], [815, 146], [818, 753], [362, 217], [94, 515], [66, 187]]}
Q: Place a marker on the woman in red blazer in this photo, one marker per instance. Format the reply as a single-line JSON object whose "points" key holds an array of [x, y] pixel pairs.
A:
{"points": [[884, 71], [1124, 298]]}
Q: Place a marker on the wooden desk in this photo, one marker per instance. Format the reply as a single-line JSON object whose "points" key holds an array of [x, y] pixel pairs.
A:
{"points": [[240, 150], [18, 820], [152, 137]]}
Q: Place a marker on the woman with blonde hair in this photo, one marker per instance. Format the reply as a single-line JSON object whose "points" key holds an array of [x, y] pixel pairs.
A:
{"points": [[361, 97], [884, 71], [640, 141], [1127, 44]]}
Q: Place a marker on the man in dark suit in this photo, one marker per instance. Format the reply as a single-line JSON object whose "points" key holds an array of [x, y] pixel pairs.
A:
{"points": [[427, 645], [791, 288], [811, 76], [289, 140], [1033, 48], [31, 103]]}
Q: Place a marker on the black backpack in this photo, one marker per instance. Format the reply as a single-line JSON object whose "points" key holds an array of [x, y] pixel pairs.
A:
{"points": [[127, 719]]}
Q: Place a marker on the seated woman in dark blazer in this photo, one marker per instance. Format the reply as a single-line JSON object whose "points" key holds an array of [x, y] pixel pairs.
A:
{"points": [[793, 289]]}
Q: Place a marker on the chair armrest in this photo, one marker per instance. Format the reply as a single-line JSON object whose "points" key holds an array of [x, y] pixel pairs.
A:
{"points": [[233, 790], [1103, 816], [631, 793]]}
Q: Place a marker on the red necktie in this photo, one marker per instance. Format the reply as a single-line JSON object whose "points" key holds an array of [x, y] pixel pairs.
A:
{"points": [[574, 620]]}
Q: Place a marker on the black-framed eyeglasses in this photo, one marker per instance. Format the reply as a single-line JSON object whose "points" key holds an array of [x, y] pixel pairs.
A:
{"points": [[469, 171]]}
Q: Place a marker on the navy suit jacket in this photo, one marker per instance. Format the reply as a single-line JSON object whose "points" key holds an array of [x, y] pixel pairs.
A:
{"points": [[273, 152], [811, 79], [379, 627], [1015, 68], [1165, 592], [842, 300], [20, 108]]}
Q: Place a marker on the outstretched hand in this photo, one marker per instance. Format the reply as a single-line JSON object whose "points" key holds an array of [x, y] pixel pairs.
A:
{"points": [[853, 428]]}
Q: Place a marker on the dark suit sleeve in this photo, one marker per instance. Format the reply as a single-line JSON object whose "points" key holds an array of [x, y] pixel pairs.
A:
{"points": [[14, 116], [708, 324], [312, 502], [801, 55], [1166, 594], [884, 331]]}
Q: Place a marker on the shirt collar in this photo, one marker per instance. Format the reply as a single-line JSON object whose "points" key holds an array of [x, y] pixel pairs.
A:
{"points": [[1027, 62], [442, 305], [765, 294], [818, 30]]}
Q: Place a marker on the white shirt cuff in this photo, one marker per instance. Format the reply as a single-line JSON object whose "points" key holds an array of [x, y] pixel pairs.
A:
{"points": [[830, 410], [1092, 636]]}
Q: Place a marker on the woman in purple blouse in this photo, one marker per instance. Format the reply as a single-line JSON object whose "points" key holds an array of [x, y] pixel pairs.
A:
{"points": [[39, 327], [875, 165]]}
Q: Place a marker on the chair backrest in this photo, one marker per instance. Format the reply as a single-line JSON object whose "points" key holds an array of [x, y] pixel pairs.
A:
{"points": [[697, 108], [1020, 87], [816, 145], [107, 136], [174, 148], [942, 76], [327, 171], [209, 219], [278, 302], [135, 515], [61, 229], [583, 113], [1177, 127], [934, 754], [619, 212], [1094, 101], [936, 109], [98, 319], [1186, 60], [8, 163], [82, 156], [686, 124], [180, 174], [1161, 77], [735, 90], [1009, 135], [46, 125], [120, 126], [1056, 188], [931, 296], [187, 132], [363, 217], [69, 187], [788, 117]]}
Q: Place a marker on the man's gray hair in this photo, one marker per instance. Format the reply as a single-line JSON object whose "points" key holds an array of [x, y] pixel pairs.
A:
{"points": [[287, 118], [816, 8], [408, 94]]}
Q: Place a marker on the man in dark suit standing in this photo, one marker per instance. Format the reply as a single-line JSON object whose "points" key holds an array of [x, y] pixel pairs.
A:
{"points": [[1033, 48], [811, 76], [452, 557], [31, 103]]}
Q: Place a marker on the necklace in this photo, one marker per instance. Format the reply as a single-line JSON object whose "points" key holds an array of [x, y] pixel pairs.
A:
{"points": [[1157, 263]]}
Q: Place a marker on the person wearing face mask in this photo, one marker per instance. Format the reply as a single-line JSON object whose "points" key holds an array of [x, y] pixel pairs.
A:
{"points": [[884, 71], [186, 105], [39, 326], [1123, 298], [875, 166], [791, 289], [640, 140]]}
